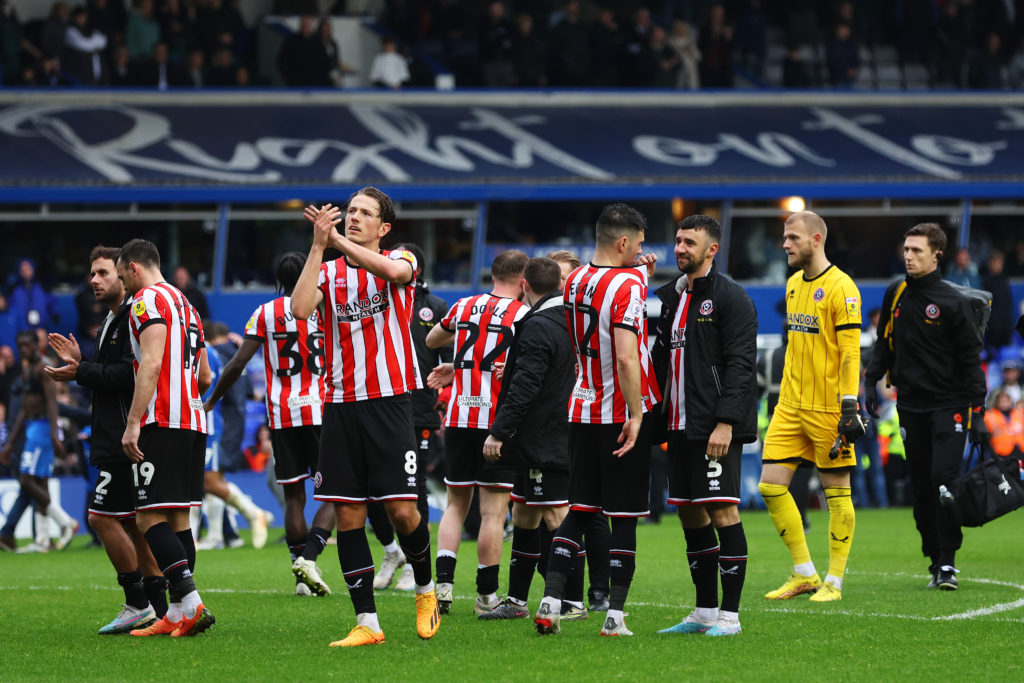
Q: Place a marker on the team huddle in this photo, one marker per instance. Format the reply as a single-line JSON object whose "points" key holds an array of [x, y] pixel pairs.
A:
{"points": [[557, 396]]}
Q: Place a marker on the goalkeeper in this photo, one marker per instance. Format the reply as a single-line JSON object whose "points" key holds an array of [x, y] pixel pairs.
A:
{"points": [[817, 406]]}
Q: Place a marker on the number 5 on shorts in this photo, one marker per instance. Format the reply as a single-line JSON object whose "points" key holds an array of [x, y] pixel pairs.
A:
{"points": [[714, 468]]}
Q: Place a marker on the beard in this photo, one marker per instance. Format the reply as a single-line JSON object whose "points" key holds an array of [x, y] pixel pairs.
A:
{"points": [[694, 265]]}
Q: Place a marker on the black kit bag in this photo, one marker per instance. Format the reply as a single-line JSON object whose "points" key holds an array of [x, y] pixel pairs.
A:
{"points": [[993, 487]]}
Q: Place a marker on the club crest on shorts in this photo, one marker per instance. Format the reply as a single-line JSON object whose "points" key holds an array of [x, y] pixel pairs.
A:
{"points": [[932, 311], [317, 480], [706, 307], [819, 294], [426, 314]]}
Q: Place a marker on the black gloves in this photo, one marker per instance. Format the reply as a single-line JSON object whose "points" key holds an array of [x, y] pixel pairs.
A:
{"points": [[871, 399], [979, 432], [851, 424]]}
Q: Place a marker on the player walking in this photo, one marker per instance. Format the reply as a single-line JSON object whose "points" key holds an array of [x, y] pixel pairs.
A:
{"points": [[818, 396]]}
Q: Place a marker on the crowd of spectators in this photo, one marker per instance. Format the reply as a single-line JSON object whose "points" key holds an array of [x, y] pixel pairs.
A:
{"points": [[683, 44]]}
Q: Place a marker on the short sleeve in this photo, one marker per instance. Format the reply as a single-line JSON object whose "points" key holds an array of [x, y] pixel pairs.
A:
{"points": [[256, 328], [628, 306], [146, 310], [448, 321]]}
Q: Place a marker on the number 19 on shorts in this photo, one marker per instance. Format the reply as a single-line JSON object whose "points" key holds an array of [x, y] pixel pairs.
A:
{"points": [[146, 470]]}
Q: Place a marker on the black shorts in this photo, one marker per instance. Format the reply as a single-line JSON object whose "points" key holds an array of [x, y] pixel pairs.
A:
{"points": [[465, 464], [296, 451], [367, 451], [546, 487], [171, 475], [693, 479], [603, 482], [114, 492]]}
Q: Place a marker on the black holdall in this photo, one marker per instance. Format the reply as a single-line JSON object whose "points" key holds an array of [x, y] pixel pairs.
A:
{"points": [[993, 487]]}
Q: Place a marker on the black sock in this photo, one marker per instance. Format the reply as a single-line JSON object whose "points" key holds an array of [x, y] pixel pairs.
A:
{"points": [[416, 547], [598, 537], [947, 557], [565, 546], [156, 591], [380, 523], [170, 557], [316, 542], [357, 566], [487, 579], [189, 544], [134, 593], [295, 547], [526, 552], [621, 560], [702, 556], [546, 536], [732, 564], [445, 569], [574, 585]]}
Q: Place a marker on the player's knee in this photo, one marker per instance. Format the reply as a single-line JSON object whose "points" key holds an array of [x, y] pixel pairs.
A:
{"points": [[405, 518], [771, 490]]}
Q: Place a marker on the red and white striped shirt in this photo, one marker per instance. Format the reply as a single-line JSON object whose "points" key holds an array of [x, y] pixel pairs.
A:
{"points": [[177, 402], [484, 326], [677, 349], [293, 358], [368, 343], [598, 299]]}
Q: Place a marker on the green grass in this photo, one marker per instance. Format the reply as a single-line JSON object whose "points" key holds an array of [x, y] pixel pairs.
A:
{"points": [[888, 626]]}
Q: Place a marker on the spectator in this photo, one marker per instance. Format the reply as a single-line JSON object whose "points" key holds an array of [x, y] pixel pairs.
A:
{"points": [[183, 281], [843, 58], [177, 28], [109, 18], [529, 54], [12, 44], [55, 29], [796, 72], [122, 70], [607, 49], [750, 38], [84, 48], [160, 73], [952, 40], [142, 31], [332, 67], [389, 69], [1011, 379], [8, 371], [569, 49], [496, 33], [220, 26], [196, 74], [257, 454], [33, 305], [639, 68], [963, 270], [223, 72], [1000, 326], [667, 60], [688, 76], [987, 69], [299, 55], [1005, 422], [716, 47], [8, 323]]}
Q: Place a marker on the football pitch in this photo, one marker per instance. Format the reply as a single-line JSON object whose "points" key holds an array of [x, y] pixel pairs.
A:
{"points": [[888, 626]]}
